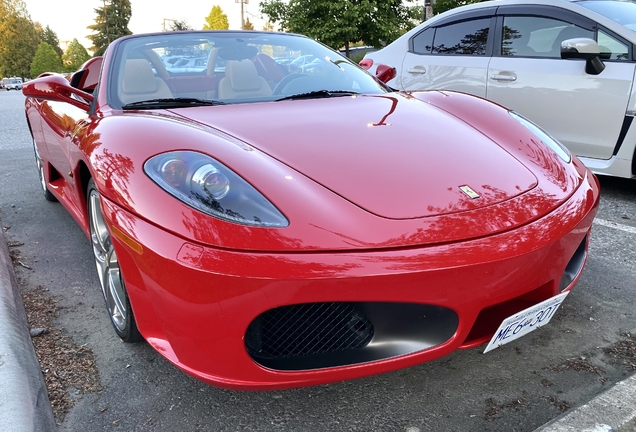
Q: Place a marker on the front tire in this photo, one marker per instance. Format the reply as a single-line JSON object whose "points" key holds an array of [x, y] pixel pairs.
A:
{"points": [[40, 166], [110, 276]]}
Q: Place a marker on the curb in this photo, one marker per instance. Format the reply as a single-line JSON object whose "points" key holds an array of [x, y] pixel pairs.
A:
{"points": [[24, 403], [614, 410]]}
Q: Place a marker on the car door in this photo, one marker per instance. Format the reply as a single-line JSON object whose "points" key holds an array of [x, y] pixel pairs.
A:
{"points": [[60, 121], [451, 55], [585, 112]]}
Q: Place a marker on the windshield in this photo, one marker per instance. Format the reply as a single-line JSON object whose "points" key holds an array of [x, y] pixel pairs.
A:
{"points": [[230, 67], [622, 12]]}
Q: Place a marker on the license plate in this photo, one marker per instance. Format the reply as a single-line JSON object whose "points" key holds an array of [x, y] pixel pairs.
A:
{"points": [[522, 323]]}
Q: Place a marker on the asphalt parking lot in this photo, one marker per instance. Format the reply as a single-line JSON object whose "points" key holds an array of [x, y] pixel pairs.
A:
{"points": [[515, 388]]}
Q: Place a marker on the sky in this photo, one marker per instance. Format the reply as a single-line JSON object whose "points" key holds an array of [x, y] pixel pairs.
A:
{"points": [[69, 18]]}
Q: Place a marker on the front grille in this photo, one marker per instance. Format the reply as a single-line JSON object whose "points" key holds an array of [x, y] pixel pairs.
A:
{"points": [[308, 329]]}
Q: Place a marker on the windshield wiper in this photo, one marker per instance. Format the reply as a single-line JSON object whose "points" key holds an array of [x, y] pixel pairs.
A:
{"points": [[172, 103], [318, 94]]}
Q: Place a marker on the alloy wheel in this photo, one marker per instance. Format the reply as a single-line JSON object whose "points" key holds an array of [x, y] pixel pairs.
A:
{"points": [[107, 265]]}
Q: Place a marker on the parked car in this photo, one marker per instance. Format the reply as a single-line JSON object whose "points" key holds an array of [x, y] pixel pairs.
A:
{"points": [[191, 64], [13, 84], [267, 230], [568, 66]]}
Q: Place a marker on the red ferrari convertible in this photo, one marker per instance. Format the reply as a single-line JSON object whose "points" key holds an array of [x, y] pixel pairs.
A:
{"points": [[277, 217]]}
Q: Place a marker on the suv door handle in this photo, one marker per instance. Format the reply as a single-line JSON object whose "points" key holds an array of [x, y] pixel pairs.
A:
{"points": [[419, 70], [508, 77]]}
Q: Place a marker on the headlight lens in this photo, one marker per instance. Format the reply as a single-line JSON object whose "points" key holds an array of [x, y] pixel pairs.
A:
{"points": [[209, 186], [556, 146]]}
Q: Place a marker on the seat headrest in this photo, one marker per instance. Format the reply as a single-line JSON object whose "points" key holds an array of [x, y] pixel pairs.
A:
{"points": [[242, 75], [138, 77]]}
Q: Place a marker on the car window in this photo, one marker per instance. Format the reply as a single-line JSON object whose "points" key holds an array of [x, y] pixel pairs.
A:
{"points": [[466, 37], [423, 42], [533, 36], [611, 48]]}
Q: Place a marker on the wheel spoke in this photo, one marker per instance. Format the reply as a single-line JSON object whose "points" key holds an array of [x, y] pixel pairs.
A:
{"points": [[99, 226], [118, 302], [40, 166]]}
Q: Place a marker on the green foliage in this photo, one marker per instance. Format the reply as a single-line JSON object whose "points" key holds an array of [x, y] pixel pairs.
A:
{"points": [[357, 57], [50, 37], [45, 60], [75, 56], [339, 23], [177, 25], [111, 22], [19, 39], [445, 5], [17, 7], [217, 20]]}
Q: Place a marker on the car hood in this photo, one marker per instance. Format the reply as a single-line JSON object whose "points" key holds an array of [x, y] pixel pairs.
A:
{"points": [[392, 155]]}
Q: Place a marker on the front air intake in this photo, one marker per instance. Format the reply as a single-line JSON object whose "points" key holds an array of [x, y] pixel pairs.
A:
{"points": [[319, 335], [308, 329]]}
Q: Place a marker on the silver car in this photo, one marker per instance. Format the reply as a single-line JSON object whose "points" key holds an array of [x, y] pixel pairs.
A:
{"points": [[567, 65]]}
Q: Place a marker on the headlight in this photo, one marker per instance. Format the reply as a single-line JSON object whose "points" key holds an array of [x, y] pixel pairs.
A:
{"points": [[209, 186], [556, 146]]}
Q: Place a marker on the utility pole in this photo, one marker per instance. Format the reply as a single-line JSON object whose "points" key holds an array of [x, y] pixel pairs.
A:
{"points": [[242, 12], [428, 10]]}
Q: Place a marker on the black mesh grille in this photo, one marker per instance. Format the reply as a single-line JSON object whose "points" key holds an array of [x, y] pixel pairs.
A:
{"points": [[307, 329]]}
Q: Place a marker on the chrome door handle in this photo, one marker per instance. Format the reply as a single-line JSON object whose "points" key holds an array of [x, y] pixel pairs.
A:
{"points": [[500, 77], [419, 71]]}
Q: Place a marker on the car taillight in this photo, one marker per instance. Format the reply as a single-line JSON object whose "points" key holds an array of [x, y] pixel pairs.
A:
{"points": [[366, 63]]}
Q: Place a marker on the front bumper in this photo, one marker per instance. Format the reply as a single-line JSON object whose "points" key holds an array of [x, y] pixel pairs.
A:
{"points": [[194, 304]]}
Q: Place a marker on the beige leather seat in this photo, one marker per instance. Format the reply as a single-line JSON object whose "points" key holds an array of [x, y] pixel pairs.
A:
{"points": [[242, 81], [140, 83], [214, 54]]}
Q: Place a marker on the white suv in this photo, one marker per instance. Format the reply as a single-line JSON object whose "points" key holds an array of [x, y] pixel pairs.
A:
{"points": [[14, 84]]}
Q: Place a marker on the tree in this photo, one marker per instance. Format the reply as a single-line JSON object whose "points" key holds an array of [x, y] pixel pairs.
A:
{"points": [[45, 60], [50, 37], [445, 5], [268, 27], [217, 20], [111, 23], [13, 6], [177, 25], [75, 56], [339, 23], [248, 25], [18, 39]]}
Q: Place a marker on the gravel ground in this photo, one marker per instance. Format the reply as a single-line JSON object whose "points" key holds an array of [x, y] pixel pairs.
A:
{"points": [[69, 370]]}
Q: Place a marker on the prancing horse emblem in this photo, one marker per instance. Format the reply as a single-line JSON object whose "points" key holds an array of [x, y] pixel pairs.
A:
{"points": [[469, 191]]}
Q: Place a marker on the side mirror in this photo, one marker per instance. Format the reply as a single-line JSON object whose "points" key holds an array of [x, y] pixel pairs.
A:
{"points": [[87, 76], [385, 73], [585, 49], [55, 87], [366, 64]]}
